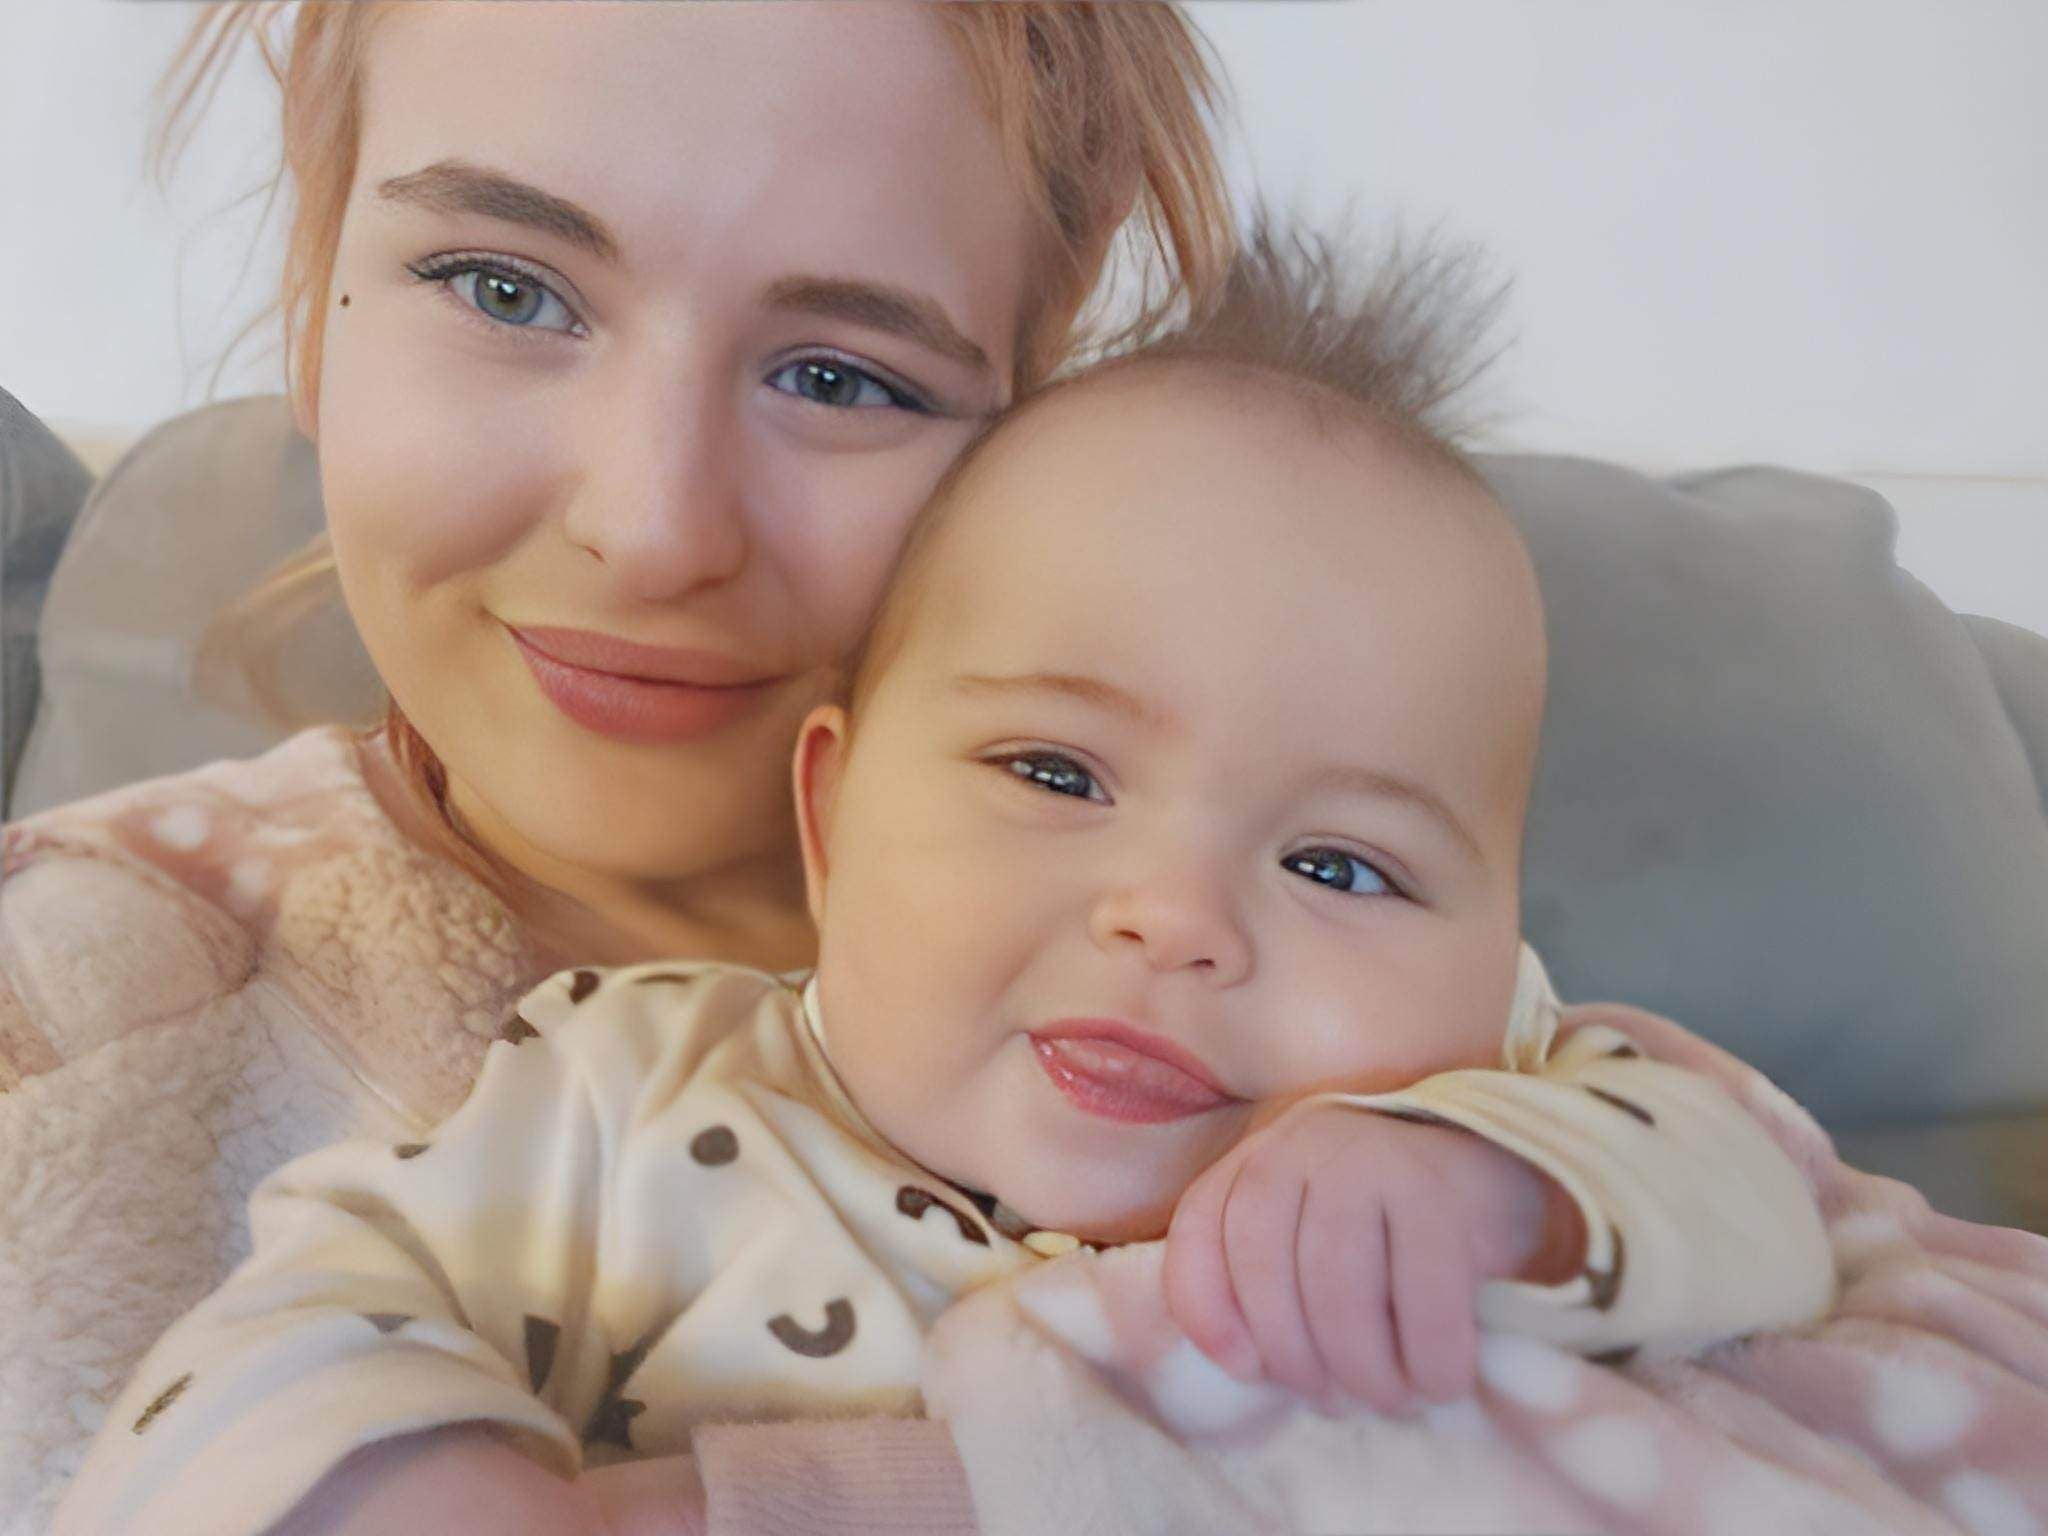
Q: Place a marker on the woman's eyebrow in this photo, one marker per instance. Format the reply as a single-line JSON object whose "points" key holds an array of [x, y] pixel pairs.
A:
{"points": [[456, 186], [879, 307]]}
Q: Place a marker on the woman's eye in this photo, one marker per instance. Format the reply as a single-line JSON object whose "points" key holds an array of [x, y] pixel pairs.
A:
{"points": [[1339, 871], [1057, 774], [825, 382], [501, 294]]}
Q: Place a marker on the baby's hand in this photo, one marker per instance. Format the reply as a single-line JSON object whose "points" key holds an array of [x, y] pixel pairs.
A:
{"points": [[1337, 1251]]}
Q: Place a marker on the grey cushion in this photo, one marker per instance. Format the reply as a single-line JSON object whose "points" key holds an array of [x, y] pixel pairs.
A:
{"points": [[2018, 662], [1782, 794], [195, 514], [42, 485], [1980, 1167]]}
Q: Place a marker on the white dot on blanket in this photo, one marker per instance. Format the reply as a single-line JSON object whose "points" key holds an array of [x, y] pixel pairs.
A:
{"points": [[1917, 1410], [1194, 1396], [1462, 1420], [249, 879], [1612, 1456], [1856, 1238], [183, 827], [1987, 1507], [1525, 1371], [1073, 1311], [1742, 1500]]}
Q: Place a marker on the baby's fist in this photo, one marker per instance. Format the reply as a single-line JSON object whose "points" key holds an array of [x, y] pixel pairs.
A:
{"points": [[1338, 1252]]}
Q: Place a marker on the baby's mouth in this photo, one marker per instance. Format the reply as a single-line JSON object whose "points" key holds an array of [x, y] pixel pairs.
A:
{"points": [[1118, 1073]]}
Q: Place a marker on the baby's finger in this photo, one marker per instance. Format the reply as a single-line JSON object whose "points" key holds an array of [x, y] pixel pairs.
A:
{"points": [[1196, 1277], [1341, 1256], [1431, 1271], [1260, 1220]]}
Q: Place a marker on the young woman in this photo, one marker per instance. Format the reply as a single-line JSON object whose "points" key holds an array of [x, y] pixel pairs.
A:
{"points": [[630, 337]]}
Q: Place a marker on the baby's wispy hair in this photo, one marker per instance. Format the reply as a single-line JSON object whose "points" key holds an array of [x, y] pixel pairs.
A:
{"points": [[1391, 336], [1399, 330]]}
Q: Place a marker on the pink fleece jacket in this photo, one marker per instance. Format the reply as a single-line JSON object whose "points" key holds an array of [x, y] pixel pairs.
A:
{"points": [[204, 976]]}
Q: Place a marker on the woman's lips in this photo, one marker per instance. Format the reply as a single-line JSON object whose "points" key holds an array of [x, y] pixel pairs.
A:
{"points": [[638, 693], [1110, 1069]]}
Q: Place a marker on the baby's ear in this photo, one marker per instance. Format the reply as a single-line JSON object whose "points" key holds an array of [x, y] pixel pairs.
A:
{"points": [[820, 755]]}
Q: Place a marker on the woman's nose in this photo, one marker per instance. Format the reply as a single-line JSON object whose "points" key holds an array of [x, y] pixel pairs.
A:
{"points": [[1178, 920], [660, 502]]}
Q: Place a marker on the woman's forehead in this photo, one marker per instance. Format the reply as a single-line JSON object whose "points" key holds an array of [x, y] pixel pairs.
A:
{"points": [[842, 140]]}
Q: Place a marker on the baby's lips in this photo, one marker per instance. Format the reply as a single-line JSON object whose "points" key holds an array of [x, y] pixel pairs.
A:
{"points": [[1106, 1076]]}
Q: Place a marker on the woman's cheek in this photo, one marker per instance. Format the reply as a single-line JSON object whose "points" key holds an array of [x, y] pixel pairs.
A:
{"points": [[435, 461], [841, 517]]}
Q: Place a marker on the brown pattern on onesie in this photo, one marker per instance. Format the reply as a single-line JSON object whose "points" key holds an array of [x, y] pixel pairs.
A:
{"points": [[611, 1422], [716, 1147], [998, 1215], [163, 1400], [1624, 1105], [541, 1338], [914, 1202], [1417, 1116], [1607, 1282], [829, 1340]]}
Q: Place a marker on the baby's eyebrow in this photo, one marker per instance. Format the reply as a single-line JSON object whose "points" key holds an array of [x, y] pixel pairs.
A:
{"points": [[1374, 783], [1089, 690], [456, 186]]}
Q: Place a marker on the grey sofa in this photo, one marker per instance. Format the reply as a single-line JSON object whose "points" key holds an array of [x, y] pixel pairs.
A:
{"points": [[42, 486], [1785, 795]]}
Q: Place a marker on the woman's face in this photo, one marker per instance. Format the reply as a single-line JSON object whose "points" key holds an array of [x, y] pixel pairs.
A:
{"points": [[651, 327]]}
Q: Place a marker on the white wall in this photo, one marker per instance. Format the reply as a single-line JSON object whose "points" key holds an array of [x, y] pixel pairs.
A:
{"points": [[1801, 231], [1810, 232], [116, 301]]}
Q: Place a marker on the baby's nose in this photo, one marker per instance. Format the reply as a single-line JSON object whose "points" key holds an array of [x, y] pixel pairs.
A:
{"points": [[1184, 920]]}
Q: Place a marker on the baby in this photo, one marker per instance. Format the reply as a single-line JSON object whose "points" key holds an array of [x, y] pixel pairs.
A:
{"points": [[1165, 859]]}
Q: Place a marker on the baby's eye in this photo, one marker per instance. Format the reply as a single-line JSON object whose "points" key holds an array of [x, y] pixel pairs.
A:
{"points": [[824, 381], [1339, 871], [500, 293], [1055, 773]]}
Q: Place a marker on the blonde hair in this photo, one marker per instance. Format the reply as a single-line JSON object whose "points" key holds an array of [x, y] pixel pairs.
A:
{"points": [[1103, 110]]}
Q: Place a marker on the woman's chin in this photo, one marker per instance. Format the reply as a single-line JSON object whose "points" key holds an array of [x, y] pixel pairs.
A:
{"points": [[563, 835]]}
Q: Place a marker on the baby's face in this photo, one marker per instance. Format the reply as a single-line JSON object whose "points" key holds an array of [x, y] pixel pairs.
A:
{"points": [[1196, 786]]}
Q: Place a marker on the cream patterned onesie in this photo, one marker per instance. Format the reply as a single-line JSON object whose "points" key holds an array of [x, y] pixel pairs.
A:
{"points": [[659, 1209]]}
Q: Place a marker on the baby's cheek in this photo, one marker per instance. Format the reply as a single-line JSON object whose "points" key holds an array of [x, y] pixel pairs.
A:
{"points": [[907, 1073], [1431, 1009]]}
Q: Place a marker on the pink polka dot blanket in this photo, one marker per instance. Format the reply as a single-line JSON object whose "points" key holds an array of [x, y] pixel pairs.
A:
{"points": [[1919, 1403]]}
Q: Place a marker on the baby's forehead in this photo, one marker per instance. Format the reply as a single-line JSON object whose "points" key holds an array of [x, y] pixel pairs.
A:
{"points": [[1219, 485], [1269, 455]]}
